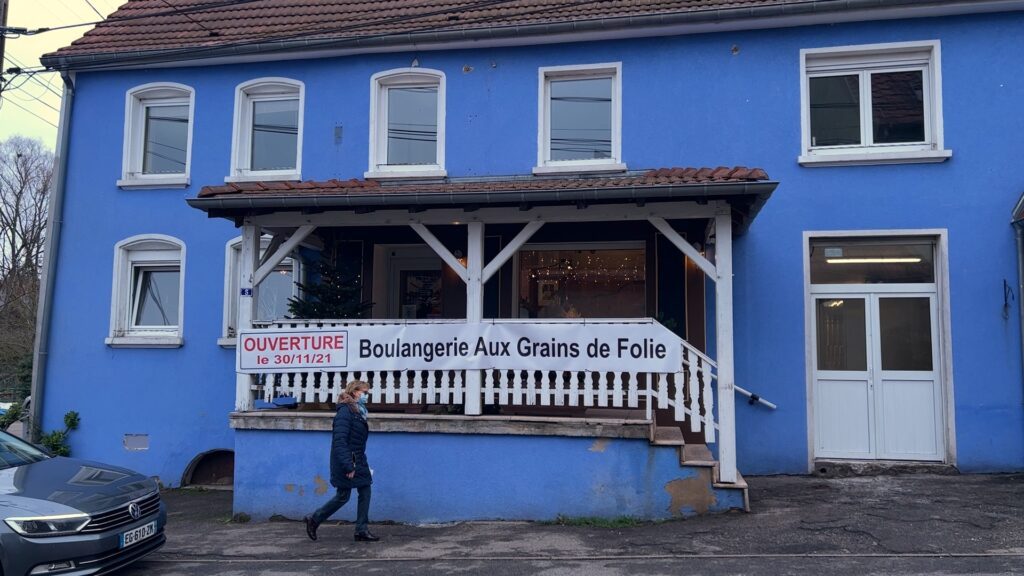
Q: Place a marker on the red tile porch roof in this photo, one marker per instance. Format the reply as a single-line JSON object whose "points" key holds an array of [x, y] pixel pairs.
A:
{"points": [[650, 178], [745, 190]]}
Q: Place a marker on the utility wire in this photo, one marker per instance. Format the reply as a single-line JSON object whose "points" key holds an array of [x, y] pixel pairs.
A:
{"points": [[8, 100], [32, 75], [98, 13]]}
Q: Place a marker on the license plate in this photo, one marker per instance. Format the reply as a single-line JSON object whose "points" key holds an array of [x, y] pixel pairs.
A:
{"points": [[139, 534]]}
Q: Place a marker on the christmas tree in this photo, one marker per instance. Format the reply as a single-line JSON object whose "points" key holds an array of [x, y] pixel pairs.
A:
{"points": [[336, 294]]}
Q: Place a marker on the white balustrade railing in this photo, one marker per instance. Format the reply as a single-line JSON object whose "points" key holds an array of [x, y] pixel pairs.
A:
{"points": [[689, 393]]}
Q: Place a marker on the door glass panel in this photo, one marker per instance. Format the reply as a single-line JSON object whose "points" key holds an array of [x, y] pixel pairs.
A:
{"points": [[842, 334], [872, 261], [420, 295], [906, 337]]}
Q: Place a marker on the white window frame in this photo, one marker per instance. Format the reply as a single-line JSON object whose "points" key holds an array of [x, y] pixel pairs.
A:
{"points": [[232, 264], [403, 78], [262, 89], [864, 60], [545, 75], [131, 254], [137, 101]]}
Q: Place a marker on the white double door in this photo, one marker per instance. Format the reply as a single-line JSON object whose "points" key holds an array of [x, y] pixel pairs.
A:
{"points": [[878, 390]]}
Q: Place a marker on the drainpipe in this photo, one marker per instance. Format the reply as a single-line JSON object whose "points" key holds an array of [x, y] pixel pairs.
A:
{"points": [[54, 223], [1018, 228]]}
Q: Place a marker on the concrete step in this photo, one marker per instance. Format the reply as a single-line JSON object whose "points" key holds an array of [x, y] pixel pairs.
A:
{"points": [[618, 413], [667, 436], [696, 455]]}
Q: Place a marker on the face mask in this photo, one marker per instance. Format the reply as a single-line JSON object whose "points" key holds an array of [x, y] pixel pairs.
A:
{"points": [[362, 400]]}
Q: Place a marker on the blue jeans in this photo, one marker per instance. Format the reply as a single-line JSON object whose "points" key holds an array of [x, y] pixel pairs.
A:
{"points": [[339, 500]]}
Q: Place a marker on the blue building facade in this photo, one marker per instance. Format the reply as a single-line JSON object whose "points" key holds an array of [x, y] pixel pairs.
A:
{"points": [[732, 98]]}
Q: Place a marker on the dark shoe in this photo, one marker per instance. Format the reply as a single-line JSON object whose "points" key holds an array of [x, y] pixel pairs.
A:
{"points": [[366, 537], [311, 527]]}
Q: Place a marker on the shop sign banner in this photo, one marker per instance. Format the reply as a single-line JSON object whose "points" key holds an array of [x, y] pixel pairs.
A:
{"points": [[619, 347]]}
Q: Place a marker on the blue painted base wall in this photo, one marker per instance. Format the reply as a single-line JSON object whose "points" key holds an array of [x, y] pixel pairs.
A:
{"points": [[421, 478]]}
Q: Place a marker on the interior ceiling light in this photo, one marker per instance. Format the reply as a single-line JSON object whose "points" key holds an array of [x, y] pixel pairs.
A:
{"points": [[873, 260]]}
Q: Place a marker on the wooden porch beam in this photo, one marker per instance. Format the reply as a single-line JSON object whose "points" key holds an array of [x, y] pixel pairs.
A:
{"points": [[513, 246], [509, 215], [684, 246], [282, 252], [275, 242], [440, 249]]}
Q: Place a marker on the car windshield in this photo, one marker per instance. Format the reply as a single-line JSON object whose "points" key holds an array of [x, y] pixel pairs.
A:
{"points": [[16, 452]]}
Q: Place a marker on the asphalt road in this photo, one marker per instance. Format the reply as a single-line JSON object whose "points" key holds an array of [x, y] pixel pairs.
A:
{"points": [[909, 524]]}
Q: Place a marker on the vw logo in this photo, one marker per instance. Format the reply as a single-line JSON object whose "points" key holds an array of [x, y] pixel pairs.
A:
{"points": [[134, 510]]}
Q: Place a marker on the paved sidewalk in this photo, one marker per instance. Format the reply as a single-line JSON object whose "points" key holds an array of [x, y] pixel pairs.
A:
{"points": [[908, 524]]}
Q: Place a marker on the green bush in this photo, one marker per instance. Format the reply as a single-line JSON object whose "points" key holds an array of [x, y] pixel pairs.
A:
{"points": [[56, 441]]}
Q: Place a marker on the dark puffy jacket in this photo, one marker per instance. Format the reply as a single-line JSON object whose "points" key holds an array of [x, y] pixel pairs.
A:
{"points": [[348, 448]]}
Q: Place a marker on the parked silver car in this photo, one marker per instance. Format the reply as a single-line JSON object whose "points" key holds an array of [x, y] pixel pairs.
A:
{"points": [[69, 517]]}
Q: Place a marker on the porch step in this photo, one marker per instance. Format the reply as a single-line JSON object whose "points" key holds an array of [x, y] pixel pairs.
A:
{"points": [[696, 455], [618, 413], [668, 436]]}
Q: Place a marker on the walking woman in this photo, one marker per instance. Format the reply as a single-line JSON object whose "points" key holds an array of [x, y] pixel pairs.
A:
{"points": [[349, 468]]}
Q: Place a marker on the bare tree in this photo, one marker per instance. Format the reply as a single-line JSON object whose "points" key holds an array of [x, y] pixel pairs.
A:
{"points": [[26, 172]]}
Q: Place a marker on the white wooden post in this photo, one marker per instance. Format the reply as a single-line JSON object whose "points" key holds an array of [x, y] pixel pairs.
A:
{"points": [[724, 345], [246, 306], [474, 307]]}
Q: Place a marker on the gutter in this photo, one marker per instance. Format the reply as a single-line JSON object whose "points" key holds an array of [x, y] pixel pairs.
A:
{"points": [[54, 223], [806, 13], [1018, 228]]}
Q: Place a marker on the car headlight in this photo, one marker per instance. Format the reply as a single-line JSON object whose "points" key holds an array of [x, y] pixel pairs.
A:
{"points": [[59, 525]]}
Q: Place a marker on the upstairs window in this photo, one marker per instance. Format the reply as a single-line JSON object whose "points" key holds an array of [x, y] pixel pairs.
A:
{"points": [[146, 302], [407, 114], [579, 117], [157, 136], [268, 131], [872, 104]]}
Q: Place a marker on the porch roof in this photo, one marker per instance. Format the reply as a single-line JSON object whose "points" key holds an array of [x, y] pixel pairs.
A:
{"points": [[745, 189]]}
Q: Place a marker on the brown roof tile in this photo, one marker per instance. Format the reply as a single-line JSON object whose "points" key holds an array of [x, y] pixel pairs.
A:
{"points": [[650, 178], [161, 25]]}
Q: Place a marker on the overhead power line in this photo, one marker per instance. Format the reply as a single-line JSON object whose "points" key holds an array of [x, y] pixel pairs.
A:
{"points": [[98, 13], [9, 101]]}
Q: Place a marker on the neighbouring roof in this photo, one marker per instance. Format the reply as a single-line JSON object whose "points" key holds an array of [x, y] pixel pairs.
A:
{"points": [[746, 189], [181, 30]]}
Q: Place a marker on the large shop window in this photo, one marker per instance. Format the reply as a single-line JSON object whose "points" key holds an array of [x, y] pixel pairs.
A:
{"points": [[407, 124], [157, 136], [584, 282], [268, 131], [872, 104], [273, 294], [146, 304], [580, 118]]}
